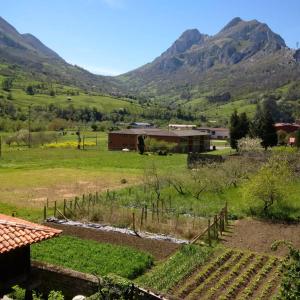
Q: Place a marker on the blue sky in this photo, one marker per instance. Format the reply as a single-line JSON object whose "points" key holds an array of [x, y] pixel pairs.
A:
{"points": [[115, 36]]}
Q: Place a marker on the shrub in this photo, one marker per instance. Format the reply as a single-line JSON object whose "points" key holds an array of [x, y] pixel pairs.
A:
{"points": [[154, 145], [269, 184], [247, 144]]}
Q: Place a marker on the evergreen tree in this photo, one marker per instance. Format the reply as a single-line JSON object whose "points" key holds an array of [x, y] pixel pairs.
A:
{"points": [[141, 144], [268, 132], [256, 124], [234, 129], [244, 125], [30, 90], [7, 84], [239, 128], [297, 136]]}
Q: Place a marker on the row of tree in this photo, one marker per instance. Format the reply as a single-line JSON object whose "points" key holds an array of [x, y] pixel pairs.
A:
{"points": [[261, 126]]}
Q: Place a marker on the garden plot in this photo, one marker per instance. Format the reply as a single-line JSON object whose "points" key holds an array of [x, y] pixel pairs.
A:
{"points": [[232, 275]]}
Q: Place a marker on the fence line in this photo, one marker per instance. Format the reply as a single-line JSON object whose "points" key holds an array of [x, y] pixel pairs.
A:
{"points": [[213, 229]]}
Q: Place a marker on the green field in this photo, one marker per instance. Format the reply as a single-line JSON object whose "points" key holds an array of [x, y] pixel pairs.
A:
{"points": [[102, 103], [167, 274], [92, 257], [29, 176]]}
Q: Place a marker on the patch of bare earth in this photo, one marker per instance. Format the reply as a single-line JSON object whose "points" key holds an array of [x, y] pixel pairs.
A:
{"points": [[258, 236], [159, 249]]}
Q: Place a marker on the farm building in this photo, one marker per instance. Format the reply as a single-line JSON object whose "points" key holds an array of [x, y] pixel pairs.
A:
{"points": [[186, 140], [16, 236], [287, 127], [141, 125], [216, 133], [182, 126]]}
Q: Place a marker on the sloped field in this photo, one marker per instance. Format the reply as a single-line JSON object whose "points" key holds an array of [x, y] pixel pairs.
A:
{"points": [[232, 275]]}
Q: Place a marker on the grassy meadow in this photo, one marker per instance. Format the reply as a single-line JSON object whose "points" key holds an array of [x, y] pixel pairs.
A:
{"points": [[31, 176]]}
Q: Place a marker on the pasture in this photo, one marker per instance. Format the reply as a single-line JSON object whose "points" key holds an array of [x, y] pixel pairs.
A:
{"points": [[29, 176]]}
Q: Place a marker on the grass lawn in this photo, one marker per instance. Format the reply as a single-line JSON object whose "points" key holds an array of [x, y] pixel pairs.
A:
{"points": [[29, 176], [92, 257]]}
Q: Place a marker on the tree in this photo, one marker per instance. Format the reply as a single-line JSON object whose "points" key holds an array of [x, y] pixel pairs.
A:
{"points": [[282, 137], [239, 128], [256, 124], [263, 127], [250, 145], [30, 90], [234, 134], [268, 132], [7, 84], [297, 136], [141, 144], [269, 184]]}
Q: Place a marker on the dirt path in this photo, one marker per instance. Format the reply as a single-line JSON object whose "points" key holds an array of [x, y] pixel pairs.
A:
{"points": [[159, 249], [258, 236]]}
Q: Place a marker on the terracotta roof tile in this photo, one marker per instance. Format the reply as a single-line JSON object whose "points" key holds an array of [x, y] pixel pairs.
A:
{"points": [[16, 233]]}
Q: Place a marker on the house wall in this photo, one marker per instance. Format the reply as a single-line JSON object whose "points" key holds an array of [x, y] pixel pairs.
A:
{"points": [[287, 128], [220, 134], [184, 144], [14, 267], [120, 141]]}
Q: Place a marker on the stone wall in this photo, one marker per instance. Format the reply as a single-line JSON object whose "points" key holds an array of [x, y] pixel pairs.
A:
{"points": [[69, 282]]}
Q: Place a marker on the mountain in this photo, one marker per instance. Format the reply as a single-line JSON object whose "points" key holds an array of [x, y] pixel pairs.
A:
{"points": [[244, 56], [42, 63]]}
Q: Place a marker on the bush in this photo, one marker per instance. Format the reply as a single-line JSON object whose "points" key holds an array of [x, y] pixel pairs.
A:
{"points": [[269, 184], [154, 145]]}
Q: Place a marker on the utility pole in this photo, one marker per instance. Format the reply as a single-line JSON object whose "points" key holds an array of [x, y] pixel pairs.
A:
{"points": [[29, 126]]}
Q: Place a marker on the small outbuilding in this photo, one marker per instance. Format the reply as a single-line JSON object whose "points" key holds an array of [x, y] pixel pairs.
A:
{"points": [[287, 127], [16, 236], [186, 140], [217, 133]]}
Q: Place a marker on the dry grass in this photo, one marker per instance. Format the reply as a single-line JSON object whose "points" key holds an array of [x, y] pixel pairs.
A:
{"points": [[31, 188], [165, 223]]}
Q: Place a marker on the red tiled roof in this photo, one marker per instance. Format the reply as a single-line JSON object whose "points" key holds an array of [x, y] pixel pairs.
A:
{"points": [[16, 233]]}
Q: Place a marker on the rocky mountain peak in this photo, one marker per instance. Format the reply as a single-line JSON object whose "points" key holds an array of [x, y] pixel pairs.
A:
{"points": [[187, 39], [232, 23]]}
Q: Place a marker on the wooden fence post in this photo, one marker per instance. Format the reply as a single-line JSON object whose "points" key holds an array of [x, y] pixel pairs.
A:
{"points": [[226, 213], [208, 233], [65, 204], [133, 221], [142, 217], [45, 212], [216, 227], [145, 213], [54, 209], [152, 211]]}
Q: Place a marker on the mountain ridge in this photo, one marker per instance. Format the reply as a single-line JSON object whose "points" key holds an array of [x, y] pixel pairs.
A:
{"points": [[244, 56], [235, 48]]}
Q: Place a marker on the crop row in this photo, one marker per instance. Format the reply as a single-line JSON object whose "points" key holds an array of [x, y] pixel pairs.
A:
{"points": [[216, 275], [244, 278], [259, 277], [225, 280], [205, 273], [270, 285]]}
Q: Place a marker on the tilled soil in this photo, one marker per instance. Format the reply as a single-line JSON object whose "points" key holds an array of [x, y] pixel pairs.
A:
{"points": [[159, 249], [258, 236]]}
